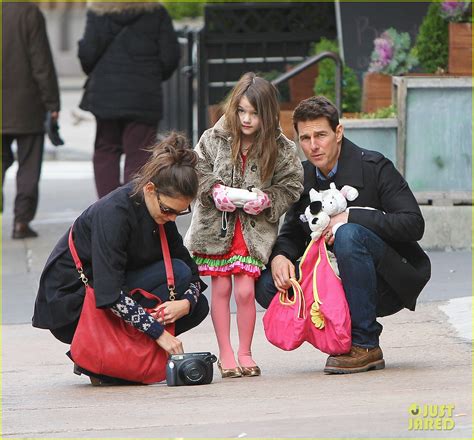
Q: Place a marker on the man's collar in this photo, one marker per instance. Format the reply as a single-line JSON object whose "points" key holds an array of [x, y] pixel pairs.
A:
{"points": [[331, 173]]}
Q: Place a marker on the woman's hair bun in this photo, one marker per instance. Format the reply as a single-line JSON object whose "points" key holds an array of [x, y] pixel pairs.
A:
{"points": [[178, 148]]}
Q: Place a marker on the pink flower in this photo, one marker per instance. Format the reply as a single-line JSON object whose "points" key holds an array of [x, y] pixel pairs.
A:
{"points": [[454, 11]]}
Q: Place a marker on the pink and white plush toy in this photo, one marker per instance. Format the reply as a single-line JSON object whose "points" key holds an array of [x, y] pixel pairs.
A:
{"points": [[334, 201], [325, 204]]}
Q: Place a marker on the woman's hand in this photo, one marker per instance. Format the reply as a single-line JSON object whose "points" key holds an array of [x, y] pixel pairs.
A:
{"points": [[171, 311], [169, 343]]}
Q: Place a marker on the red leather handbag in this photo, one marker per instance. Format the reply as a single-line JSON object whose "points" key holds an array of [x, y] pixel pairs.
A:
{"points": [[106, 345]]}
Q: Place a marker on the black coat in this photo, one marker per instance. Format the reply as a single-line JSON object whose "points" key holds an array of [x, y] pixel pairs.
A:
{"points": [[29, 81], [127, 51], [397, 219], [117, 234]]}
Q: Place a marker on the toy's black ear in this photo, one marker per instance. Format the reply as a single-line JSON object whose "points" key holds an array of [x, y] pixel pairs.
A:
{"points": [[315, 207]]}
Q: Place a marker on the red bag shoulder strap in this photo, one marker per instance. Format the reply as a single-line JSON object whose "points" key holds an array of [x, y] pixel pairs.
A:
{"points": [[167, 259], [75, 257]]}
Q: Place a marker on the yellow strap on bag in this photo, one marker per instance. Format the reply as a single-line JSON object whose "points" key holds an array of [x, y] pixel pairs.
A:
{"points": [[317, 317], [298, 293]]}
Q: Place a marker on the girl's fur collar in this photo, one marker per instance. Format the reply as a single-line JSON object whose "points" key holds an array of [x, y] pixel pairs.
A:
{"points": [[101, 8]]}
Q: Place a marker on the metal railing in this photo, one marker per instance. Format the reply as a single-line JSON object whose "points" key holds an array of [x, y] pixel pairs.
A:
{"points": [[310, 62], [178, 91]]}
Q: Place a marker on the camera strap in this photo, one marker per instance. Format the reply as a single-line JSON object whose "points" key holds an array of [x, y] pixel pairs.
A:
{"points": [[167, 259]]}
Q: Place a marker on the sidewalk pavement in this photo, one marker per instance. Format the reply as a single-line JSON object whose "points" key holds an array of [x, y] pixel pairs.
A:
{"points": [[426, 365], [428, 353]]}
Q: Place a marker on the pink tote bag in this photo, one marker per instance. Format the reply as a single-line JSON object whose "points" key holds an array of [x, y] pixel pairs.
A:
{"points": [[285, 320], [319, 306]]}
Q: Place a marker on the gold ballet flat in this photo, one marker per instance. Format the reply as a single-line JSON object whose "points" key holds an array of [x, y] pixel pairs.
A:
{"points": [[251, 371], [229, 372]]}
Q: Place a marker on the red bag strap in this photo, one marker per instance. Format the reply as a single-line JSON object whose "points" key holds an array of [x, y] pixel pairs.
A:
{"points": [[75, 257], [167, 259]]}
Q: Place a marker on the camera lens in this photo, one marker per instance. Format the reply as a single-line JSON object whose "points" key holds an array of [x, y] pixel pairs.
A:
{"points": [[192, 372]]}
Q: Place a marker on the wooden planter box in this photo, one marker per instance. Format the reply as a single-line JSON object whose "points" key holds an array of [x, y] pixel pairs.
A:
{"points": [[377, 91], [302, 85], [460, 49]]}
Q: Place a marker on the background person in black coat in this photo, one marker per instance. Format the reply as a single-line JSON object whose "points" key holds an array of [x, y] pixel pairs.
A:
{"points": [[29, 89], [382, 267], [127, 51], [117, 241]]}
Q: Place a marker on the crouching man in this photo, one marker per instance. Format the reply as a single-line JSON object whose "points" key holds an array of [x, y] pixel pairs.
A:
{"points": [[382, 267]]}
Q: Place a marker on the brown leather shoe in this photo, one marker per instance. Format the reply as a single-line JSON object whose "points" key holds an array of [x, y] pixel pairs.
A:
{"points": [[357, 360], [23, 230]]}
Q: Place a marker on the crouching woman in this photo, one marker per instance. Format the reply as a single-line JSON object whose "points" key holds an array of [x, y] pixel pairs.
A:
{"points": [[118, 242]]}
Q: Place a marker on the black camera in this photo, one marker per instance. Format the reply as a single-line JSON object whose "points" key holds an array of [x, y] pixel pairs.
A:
{"points": [[190, 369]]}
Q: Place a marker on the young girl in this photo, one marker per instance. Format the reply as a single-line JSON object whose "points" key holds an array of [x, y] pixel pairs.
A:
{"points": [[246, 150]]}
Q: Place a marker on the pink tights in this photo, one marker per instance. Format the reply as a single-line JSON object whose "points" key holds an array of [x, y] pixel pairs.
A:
{"points": [[244, 291]]}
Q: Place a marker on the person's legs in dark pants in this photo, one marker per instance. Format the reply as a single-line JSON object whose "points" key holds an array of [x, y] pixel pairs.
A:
{"points": [[358, 251], [30, 158], [152, 278], [107, 152], [136, 138], [7, 158]]}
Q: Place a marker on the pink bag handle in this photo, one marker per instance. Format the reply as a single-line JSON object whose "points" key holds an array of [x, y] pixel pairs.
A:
{"points": [[298, 297]]}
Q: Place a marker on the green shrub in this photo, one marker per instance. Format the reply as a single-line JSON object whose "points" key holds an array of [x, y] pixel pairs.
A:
{"points": [[381, 113], [351, 92], [178, 10], [431, 46]]}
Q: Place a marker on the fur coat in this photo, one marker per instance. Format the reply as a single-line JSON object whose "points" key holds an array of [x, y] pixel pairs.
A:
{"points": [[215, 166]]}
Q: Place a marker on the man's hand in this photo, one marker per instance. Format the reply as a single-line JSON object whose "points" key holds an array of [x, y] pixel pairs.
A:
{"points": [[170, 344], [171, 311], [55, 115], [341, 218], [282, 270]]}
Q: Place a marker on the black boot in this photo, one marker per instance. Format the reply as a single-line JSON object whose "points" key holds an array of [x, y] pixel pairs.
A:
{"points": [[23, 230]]}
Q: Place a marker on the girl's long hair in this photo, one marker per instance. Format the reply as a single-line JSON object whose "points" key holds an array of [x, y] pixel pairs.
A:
{"points": [[171, 167], [263, 96]]}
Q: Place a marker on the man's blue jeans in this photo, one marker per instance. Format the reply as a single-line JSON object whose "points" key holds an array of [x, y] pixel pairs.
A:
{"points": [[358, 251]]}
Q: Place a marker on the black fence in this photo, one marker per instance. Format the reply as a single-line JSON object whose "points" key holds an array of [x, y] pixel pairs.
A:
{"points": [[178, 91], [268, 38], [259, 37]]}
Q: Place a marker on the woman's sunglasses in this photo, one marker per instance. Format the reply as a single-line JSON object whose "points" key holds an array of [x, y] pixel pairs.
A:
{"points": [[167, 210]]}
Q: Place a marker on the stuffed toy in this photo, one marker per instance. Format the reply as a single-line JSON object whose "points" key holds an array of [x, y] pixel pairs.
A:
{"points": [[317, 219], [334, 202], [326, 204]]}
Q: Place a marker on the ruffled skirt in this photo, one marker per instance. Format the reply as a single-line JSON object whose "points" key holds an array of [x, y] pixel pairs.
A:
{"points": [[236, 261]]}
